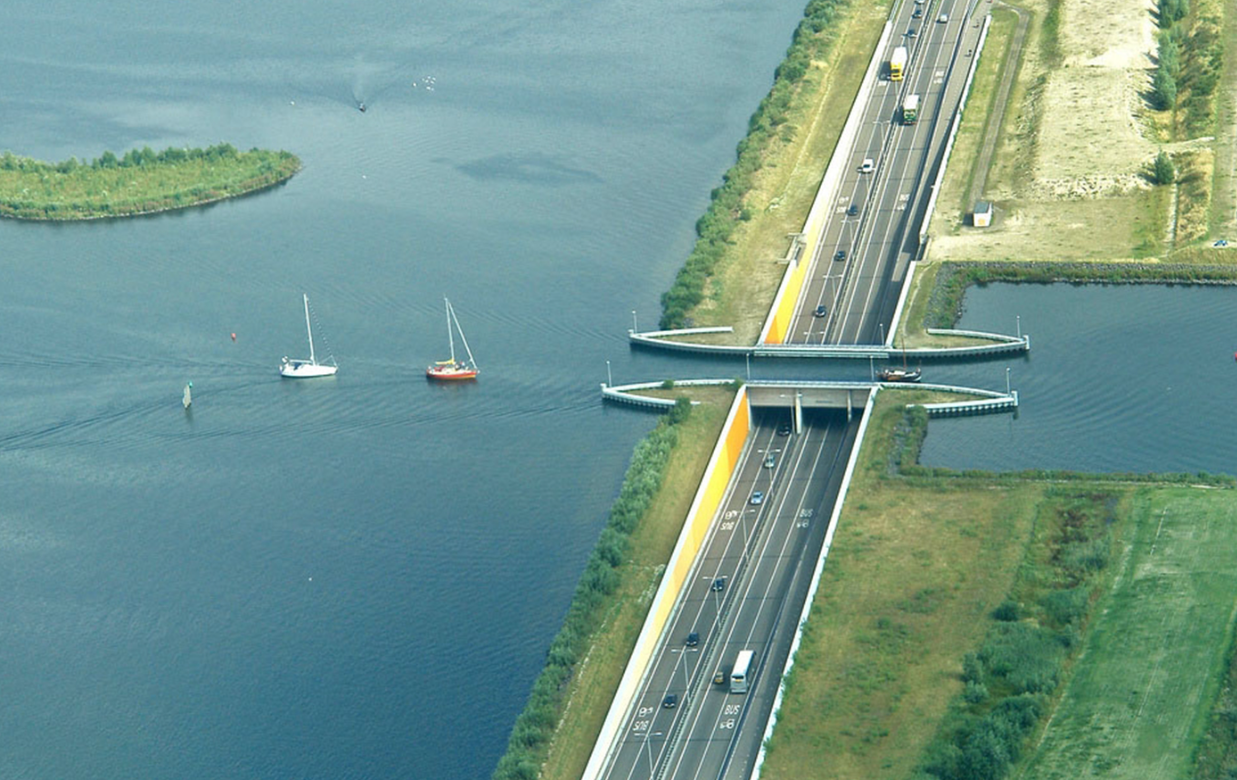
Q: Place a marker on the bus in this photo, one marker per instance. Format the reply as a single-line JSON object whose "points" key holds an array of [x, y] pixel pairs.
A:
{"points": [[739, 674], [910, 109], [897, 63]]}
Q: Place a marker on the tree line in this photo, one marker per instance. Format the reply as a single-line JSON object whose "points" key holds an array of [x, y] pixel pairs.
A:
{"points": [[534, 728], [133, 158], [726, 210]]}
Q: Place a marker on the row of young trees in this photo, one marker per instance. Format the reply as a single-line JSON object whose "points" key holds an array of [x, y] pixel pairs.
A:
{"points": [[131, 159], [1189, 67], [726, 210], [535, 726]]}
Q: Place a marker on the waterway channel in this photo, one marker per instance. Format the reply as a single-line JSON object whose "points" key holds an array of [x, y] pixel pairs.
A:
{"points": [[358, 577]]}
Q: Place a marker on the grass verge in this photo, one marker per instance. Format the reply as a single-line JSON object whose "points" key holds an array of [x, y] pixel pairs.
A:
{"points": [[141, 182], [955, 606], [783, 174], [582, 697], [1137, 702]]}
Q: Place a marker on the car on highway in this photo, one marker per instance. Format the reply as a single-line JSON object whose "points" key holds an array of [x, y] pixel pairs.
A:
{"points": [[770, 460], [853, 211], [942, 18], [839, 255], [783, 429], [719, 584], [911, 33], [758, 497], [719, 677], [918, 14], [821, 311], [868, 165], [693, 639], [671, 701]]}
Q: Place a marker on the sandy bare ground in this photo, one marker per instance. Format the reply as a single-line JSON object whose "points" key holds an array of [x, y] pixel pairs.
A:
{"points": [[1080, 191], [1090, 140]]}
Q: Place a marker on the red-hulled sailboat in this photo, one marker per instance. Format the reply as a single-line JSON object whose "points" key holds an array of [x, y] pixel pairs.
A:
{"points": [[453, 370]]}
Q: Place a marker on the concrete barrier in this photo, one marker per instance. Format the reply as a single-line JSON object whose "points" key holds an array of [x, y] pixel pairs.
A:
{"points": [[709, 495], [811, 594], [777, 325]]}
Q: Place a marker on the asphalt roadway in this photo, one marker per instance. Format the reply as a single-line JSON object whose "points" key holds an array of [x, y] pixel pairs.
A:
{"points": [[764, 553], [860, 293]]}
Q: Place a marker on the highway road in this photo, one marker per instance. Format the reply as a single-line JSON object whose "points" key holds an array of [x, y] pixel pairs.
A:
{"points": [[859, 294], [764, 553]]}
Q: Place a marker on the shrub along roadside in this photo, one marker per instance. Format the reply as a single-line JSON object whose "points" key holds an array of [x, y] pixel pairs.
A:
{"points": [[726, 209], [533, 729], [1012, 677]]}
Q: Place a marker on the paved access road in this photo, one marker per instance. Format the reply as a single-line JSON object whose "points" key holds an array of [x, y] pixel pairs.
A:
{"points": [[861, 292], [764, 553]]}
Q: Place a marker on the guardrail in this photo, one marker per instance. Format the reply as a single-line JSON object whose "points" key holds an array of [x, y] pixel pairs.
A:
{"points": [[714, 486], [953, 128], [663, 339], [989, 401], [822, 203]]}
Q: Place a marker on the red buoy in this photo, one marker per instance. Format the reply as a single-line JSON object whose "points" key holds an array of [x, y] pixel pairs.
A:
{"points": [[234, 339]]}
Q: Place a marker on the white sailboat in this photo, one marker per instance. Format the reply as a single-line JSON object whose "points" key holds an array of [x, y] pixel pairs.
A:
{"points": [[453, 370], [187, 399], [299, 368]]}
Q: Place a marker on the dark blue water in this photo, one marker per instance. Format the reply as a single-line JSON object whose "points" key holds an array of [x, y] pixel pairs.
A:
{"points": [[354, 577], [1120, 378]]}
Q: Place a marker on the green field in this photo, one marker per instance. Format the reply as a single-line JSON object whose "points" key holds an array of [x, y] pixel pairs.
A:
{"points": [[1138, 699], [141, 182]]}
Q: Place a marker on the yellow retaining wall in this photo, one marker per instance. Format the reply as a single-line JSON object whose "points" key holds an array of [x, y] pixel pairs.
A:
{"points": [[788, 296], [695, 527]]}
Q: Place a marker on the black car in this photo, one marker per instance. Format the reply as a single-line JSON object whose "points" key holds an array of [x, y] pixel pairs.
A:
{"points": [[783, 429], [853, 211], [820, 311], [918, 14], [671, 701], [693, 639], [839, 255], [719, 584]]}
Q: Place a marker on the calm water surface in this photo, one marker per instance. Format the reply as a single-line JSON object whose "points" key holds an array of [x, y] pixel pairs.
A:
{"points": [[358, 577], [354, 577]]}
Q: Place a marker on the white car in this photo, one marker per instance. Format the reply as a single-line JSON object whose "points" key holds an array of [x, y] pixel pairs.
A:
{"points": [[942, 18], [868, 166]]}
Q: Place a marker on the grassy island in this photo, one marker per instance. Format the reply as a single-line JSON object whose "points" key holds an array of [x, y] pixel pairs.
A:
{"points": [[141, 182]]}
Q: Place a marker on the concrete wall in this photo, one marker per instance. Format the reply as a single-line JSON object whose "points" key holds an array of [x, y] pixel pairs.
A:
{"points": [[704, 507], [787, 298]]}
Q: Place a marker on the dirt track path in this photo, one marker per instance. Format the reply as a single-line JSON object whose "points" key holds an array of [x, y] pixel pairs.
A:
{"points": [[997, 117]]}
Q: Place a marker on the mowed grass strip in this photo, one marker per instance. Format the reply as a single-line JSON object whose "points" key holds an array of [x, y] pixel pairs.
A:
{"points": [[742, 289], [1138, 699], [914, 571], [596, 678]]}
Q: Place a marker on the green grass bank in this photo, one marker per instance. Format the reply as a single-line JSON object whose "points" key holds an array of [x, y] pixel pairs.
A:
{"points": [[554, 735], [970, 624], [141, 182]]}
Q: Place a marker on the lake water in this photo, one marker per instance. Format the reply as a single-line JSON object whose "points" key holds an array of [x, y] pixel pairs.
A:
{"points": [[358, 577]]}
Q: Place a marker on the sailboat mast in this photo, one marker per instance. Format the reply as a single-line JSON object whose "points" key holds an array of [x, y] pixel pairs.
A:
{"points": [[464, 339], [309, 330], [450, 335]]}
